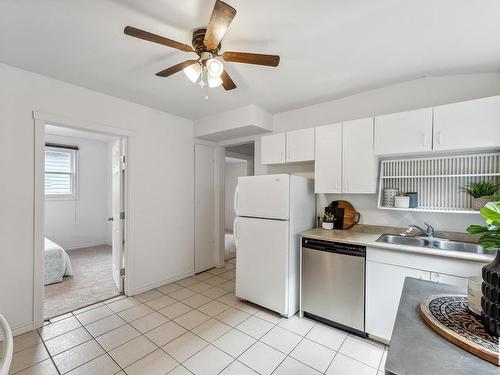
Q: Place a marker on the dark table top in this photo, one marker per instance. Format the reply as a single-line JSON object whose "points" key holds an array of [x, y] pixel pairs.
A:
{"points": [[417, 350]]}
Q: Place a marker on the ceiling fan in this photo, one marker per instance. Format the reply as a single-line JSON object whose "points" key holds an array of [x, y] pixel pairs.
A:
{"points": [[207, 69]]}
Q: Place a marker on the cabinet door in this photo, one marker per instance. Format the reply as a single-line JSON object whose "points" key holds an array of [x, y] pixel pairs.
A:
{"points": [[404, 132], [384, 284], [443, 278], [272, 149], [474, 124], [328, 159], [359, 164], [300, 145]]}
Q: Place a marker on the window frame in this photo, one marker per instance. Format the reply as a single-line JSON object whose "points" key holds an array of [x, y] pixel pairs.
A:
{"points": [[73, 176]]}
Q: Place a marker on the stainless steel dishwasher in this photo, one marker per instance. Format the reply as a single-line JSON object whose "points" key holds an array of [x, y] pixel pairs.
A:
{"points": [[333, 284]]}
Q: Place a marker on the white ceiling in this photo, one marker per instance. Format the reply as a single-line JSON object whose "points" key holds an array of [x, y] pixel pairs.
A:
{"points": [[328, 48]]}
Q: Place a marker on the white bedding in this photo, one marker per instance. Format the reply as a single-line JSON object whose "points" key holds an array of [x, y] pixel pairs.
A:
{"points": [[57, 263]]}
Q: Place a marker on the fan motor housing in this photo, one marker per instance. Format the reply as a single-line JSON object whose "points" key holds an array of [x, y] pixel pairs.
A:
{"points": [[197, 42]]}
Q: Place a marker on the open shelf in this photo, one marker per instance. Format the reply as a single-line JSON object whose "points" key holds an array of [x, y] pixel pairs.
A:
{"points": [[439, 180]]}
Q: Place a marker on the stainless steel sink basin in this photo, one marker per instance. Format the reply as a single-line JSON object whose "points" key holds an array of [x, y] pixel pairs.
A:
{"points": [[458, 246], [433, 243], [400, 240]]}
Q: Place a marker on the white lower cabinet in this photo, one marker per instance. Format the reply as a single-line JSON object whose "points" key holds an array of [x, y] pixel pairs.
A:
{"points": [[384, 284], [443, 278], [386, 270]]}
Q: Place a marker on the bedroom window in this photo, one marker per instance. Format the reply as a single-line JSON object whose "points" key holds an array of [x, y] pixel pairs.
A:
{"points": [[60, 171]]}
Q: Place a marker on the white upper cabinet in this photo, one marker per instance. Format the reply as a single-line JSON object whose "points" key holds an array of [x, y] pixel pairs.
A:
{"points": [[359, 164], [404, 132], [473, 124], [272, 149], [328, 159], [300, 145]]}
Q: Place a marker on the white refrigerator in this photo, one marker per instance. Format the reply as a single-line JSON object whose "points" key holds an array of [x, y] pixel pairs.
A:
{"points": [[271, 211]]}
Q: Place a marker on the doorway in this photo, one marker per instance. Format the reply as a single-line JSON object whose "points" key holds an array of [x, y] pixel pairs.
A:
{"points": [[84, 215], [238, 162]]}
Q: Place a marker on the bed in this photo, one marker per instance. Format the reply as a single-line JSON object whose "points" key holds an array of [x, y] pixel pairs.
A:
{"points": [[57, 263]]}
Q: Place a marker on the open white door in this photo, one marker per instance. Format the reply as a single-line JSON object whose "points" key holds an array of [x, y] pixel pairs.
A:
{"points": [[204, 226], [118, 212]]}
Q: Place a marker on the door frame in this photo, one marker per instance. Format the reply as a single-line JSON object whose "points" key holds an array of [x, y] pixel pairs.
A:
{"points": [[215, 187], [220, 169], [40, 120]]}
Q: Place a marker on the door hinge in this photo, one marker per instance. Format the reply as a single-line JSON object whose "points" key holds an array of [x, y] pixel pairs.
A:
{"points": [[122, 215], [122, 271]]}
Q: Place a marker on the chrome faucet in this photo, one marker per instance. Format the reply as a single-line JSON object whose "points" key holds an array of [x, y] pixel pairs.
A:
{"points": [[428, 231]]}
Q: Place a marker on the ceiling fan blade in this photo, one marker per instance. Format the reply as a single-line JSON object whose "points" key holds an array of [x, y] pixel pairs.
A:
{"points": [[221, 17], [141, 34], [227, 82], [251, 58], [176, 68]]}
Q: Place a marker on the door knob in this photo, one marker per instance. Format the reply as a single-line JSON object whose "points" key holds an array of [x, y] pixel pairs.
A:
{"points": [[110, 218]]}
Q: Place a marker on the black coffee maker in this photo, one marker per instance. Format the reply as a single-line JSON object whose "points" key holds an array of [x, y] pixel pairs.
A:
{"points": [[338, 214]]}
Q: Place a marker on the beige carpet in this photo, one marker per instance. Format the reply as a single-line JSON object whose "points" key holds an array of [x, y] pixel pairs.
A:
{"points": [[229, 245], [92, 282]]}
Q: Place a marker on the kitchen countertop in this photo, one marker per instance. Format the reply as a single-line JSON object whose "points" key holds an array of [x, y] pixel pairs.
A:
{"points": [[416, 349], [366, 235]]}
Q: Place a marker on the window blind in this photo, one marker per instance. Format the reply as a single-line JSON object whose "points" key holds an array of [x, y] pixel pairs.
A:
{"points": [[59, 171]]}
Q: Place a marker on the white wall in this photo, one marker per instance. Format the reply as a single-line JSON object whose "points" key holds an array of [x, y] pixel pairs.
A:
{"points": [[82, 222], [232, 171], [420, 93], [401, 97], [160, 175]]}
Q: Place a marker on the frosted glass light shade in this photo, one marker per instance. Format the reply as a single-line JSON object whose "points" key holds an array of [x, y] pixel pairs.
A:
{"points": [[214, 67], [213, 81], [193, 72]]}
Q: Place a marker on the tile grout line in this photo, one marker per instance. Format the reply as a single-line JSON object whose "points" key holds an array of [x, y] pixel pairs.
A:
{"points": [[214, 317]]}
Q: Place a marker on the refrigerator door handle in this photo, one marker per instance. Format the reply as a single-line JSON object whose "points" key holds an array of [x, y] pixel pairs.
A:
{"points": [[235, 231], [236, 203]]}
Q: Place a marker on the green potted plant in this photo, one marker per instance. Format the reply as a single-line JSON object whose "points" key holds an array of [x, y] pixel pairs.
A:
{"points": [[480, 192], [327, 221], [490, 240]]}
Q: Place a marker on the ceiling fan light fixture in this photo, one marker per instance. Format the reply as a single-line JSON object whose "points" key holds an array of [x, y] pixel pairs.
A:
{"points": [[193, 72], [214, 67]]}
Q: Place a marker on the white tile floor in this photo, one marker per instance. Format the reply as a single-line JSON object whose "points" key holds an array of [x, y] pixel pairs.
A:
{"points": [[194, 326]]}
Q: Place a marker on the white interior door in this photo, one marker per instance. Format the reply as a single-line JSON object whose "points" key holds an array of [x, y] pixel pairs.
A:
{"points": [[117, 186], [262, 262], [204, 218]]}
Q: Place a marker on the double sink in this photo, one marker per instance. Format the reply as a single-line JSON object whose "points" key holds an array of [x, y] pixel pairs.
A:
{"points": [[432, 243]]}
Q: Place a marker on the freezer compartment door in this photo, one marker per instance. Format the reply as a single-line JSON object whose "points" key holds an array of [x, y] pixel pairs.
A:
{"points": [[263, 196], [262, 262], [333, 287]]}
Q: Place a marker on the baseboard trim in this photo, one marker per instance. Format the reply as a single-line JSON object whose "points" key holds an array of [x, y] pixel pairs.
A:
{"points": [[19, 330], [84, 245], [160, 283]]}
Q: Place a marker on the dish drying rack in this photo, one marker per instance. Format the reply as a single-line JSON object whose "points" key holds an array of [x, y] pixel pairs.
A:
{"points": [[439, 180]]}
